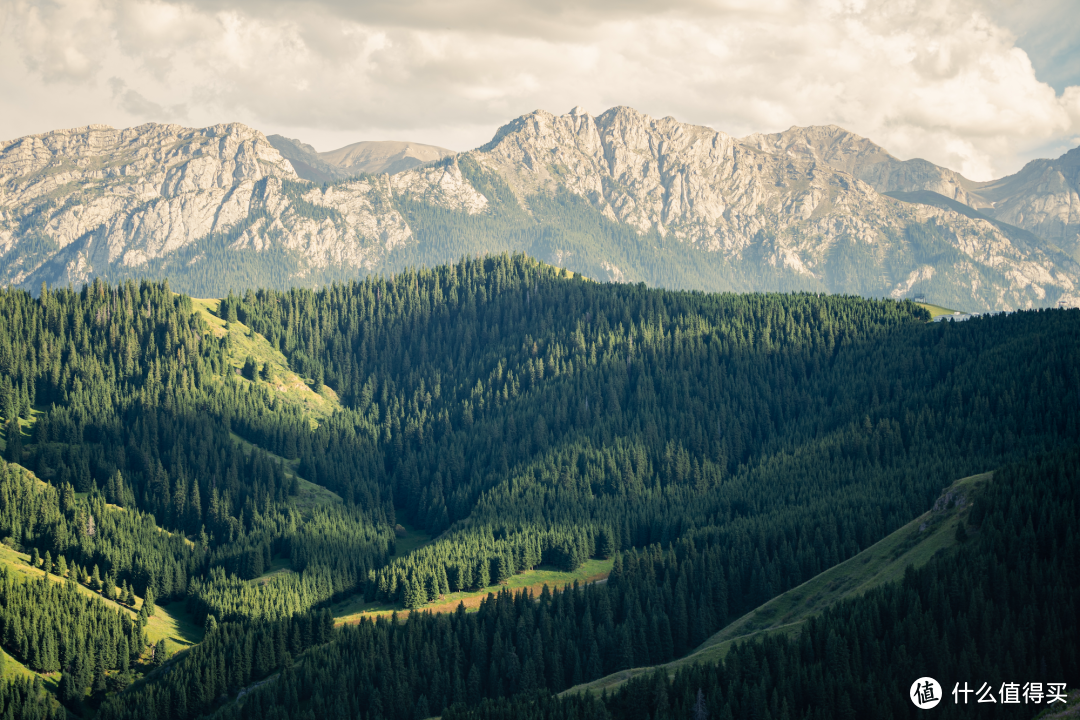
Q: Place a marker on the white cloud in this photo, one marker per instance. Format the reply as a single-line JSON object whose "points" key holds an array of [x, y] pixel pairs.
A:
{"points": [[934, 79], [60, 40], [136, 104]]}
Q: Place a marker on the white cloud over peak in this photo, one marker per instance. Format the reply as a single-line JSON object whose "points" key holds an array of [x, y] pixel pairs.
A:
{"points": [[940, 79]]}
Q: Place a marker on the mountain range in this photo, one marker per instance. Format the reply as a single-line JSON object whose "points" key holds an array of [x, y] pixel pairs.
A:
{"points": [[362, 158], [619, 196]]}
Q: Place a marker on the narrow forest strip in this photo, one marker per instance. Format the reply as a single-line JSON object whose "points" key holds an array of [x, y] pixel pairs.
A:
{"points": [[532, 581], [309, 494]]}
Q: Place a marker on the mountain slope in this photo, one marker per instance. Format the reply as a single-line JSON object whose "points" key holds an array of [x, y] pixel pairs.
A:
{"points": [[161, 200], [783, 219], [913, 544], [304, 158], [847, 152], [1043, 198], [620, 196], [387, 156], [362, 158]]}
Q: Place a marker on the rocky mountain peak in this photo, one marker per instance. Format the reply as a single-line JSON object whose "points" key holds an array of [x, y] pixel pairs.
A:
{"points": [[1043, 197], [829, 145], [801, 209], [132, 193]]}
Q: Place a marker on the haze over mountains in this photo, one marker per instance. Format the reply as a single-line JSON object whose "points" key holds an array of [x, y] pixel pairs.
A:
{"points": [[619, 196], [362, 158]]}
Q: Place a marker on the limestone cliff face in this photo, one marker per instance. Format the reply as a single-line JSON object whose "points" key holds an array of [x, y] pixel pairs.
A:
{"points": [[1044, 197], [801, 209], [795, 200], [847, 152], [94, 200], [141, 192]]}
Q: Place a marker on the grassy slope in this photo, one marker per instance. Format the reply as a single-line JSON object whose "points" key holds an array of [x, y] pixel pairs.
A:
{"points": [[14, 669], [409, 538], [935, 310], [880, 563], [170, 622], [288, 385]]}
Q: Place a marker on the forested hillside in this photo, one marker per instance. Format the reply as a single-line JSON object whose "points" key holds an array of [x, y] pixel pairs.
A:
{"points": [[719, 449], [1000, 611]]}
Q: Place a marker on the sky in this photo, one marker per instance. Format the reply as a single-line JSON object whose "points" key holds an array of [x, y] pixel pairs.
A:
{"points": [[978, 86]]}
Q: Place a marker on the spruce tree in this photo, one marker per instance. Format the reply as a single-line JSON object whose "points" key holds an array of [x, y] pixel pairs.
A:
{"points": [[961, 532], [482, 574], [14, 451], [99, 675], [108, 586]]}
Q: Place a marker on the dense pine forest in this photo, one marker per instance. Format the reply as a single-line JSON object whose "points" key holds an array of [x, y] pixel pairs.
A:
{"points": [[715, 449], [1002, 610]]}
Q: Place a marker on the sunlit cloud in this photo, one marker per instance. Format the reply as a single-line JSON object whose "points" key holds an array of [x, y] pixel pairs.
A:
{"points": [[942, 80]]}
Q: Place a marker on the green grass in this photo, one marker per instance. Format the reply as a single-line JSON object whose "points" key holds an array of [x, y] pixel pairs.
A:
{"points": [[14, 669], [287, 385], [881, 563], [352, 609], [173, 623], [170, 622], [312, 495], [936, 310], [27, 425], [409, 538]]}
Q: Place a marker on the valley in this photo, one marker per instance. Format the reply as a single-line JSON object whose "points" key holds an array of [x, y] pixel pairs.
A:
{"points": [[539, 361], [512, 484]]}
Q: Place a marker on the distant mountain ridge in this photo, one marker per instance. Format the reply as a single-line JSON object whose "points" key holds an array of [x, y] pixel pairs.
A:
{"points": [[850, 153], [1043, 197], [362, 158], [619, 196]]}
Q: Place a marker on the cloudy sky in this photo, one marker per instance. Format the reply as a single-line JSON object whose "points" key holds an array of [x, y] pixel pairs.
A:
{"points": [[977, 86]]}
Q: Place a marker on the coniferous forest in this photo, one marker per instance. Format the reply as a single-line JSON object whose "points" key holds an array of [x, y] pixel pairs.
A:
{"points": [[713, 450]]}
